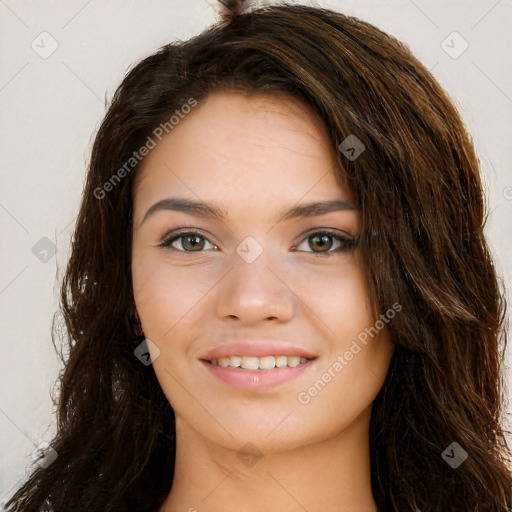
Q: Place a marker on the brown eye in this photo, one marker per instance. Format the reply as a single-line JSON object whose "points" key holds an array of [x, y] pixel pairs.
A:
{"points": [[191, 241], [320, 243]]}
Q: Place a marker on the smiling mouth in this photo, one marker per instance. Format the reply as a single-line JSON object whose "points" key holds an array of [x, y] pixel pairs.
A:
{"points": [[259, 363]]}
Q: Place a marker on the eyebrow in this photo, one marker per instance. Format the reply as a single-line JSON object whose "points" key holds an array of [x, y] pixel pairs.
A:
{"points": [[206, 210]]}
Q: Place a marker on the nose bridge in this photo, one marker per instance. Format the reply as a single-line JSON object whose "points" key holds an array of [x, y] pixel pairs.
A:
{"points": [[252, 289]]}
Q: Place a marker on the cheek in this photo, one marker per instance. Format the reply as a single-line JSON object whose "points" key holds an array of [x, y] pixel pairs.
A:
{"points": [[343, 317], [166, 296], [337, 302], [351, 311]]}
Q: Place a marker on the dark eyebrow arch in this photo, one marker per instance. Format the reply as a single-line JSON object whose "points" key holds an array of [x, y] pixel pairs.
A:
{"points": [[201, 209], [315, 208], [185, 205]]}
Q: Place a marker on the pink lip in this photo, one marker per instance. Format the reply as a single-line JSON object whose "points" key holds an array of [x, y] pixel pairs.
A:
{"points": [[255, 380], [258, 349]]}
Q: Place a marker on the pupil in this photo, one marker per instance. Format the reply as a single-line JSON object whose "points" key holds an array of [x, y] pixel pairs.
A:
{"points": [[195, 240], [324, 240]]}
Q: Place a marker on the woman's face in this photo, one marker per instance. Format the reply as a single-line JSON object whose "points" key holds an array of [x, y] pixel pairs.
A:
{"points": [[257, 287]]}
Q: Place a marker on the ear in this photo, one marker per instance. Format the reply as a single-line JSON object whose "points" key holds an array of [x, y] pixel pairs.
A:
{"points": [[135, 321]]}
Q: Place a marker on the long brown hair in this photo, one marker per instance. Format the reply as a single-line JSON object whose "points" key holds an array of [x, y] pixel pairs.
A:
{"points": [[422, 242]]}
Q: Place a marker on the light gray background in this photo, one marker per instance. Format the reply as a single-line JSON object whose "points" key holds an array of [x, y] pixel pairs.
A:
{"points": [[51, 108]]}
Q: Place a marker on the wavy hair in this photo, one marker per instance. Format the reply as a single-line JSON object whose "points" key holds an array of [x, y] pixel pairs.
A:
{"points": [[418, 184]]}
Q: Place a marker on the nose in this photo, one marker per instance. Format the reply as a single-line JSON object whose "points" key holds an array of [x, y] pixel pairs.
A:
{"points": [[255, 292]]}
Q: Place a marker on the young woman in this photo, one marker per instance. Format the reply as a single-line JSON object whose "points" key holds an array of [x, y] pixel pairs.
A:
{"points": [[280, 296]]}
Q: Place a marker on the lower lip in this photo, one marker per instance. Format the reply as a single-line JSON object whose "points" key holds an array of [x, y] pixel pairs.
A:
{"points": [[256, 380]]}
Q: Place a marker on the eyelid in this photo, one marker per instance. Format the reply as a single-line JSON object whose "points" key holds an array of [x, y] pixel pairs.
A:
{"points": [[328, 231], [345, 240], [175, 234]]}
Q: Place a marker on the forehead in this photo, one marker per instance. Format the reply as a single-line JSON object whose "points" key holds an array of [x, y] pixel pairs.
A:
{"points": [[245, 148]]}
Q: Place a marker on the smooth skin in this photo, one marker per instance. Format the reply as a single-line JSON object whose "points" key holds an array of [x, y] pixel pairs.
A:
{"points": [[255, 156]]}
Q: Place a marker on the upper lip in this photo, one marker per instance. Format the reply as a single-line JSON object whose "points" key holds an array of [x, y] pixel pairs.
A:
{"points": [[258, 349]]}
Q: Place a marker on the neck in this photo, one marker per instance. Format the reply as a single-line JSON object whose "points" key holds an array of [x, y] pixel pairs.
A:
{"points": [[332, 475]]}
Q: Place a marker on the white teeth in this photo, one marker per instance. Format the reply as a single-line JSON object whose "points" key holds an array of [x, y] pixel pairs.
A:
{"points": [[249, 363], [267, 363], [293, 361], [259, 363], [281, 361], [235, 361]]}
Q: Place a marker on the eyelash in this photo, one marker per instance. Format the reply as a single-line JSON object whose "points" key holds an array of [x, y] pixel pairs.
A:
{"points": [[346, 242]]}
